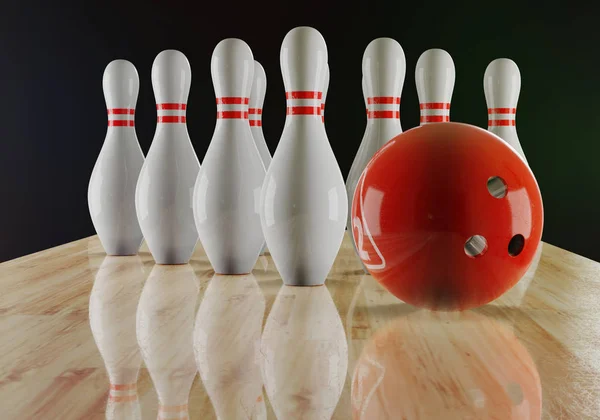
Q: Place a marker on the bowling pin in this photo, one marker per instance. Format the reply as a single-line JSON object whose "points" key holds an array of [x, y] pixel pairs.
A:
{"points": [[164, 327], [227, 191], [303, 202], [434, 77], [163, 196], [384, 69], [305, 354], [112, 307], [353, 170], [111, 191], [227, 346], [502, 85], [257, 98], [325, 89], [364, 91]]}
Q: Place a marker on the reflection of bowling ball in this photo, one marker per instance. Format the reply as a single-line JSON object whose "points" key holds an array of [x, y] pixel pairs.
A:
{"points": [[448, 366], [447, 216]]}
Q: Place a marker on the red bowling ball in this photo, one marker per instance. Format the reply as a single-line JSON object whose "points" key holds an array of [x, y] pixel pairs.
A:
{"points": [[447, 216]]}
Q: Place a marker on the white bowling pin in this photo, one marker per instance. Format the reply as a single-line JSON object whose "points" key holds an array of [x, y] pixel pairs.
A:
{"points": [[112, 308], [305, 354], [227, 191], [434, 77], [111, 191], [303, 202], [163, 196], [384, 69], [502, 85], [353, 175], [227, 346], [257, 98], [365, 97], [325, 89], [165, 326]]}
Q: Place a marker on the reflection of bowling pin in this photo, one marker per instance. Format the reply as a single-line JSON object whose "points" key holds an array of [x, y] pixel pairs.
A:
{"points": [[227, 346], [227, 191], [164, 190], [111, 192], [305, 354], [303, 202], [257, 98], [165, 324], [325, 89], [502, 85], [434, 77], [458, 365], [112, 308], [384, 68]]}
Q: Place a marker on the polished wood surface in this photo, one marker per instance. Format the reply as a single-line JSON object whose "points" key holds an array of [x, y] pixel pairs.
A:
{"points": [[86, 336]]}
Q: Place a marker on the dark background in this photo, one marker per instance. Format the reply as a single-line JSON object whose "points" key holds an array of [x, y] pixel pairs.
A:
{"points": [[54, 116]]}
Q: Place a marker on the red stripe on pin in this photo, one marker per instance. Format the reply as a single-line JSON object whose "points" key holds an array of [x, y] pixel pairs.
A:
{"points": [[303, 110], [232, 100], [384, 114], [435, 105], [123, 398], [170, 106], [502, 110], [172, 408], [120, 111], [255, 111], [435, 118], [232, 115], [383, 100], [304, 94], [255, 123], [123, 387], [501, 123], [120, 123], [170, 119]]}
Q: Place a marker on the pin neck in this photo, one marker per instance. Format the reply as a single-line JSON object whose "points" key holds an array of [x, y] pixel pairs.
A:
{"points": [[501, 117], [303, 103], [171, 113], [232, 107], [123, 393], [121, 117], [255, 117], [383, 108], [434, 112], [173, 411], [383, 111]]}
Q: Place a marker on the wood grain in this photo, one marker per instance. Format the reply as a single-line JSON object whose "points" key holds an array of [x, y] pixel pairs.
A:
{"points": [[85, 336]]}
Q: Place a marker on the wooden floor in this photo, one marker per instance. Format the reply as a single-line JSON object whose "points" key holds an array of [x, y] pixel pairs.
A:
{"points": [[85, 336]]}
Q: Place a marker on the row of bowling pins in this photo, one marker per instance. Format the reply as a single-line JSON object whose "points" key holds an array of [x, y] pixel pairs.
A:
{"points": [[300, 205], [230, 203], [384, 68], [302, 350]]}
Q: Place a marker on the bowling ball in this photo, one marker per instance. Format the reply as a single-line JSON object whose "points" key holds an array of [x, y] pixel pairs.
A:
{"points": [[447, 216], [451, 366]]}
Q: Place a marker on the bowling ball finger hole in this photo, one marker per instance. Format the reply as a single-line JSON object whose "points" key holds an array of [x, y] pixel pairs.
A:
{"points": [[516, 245], [497, 187], [476, 246]]}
